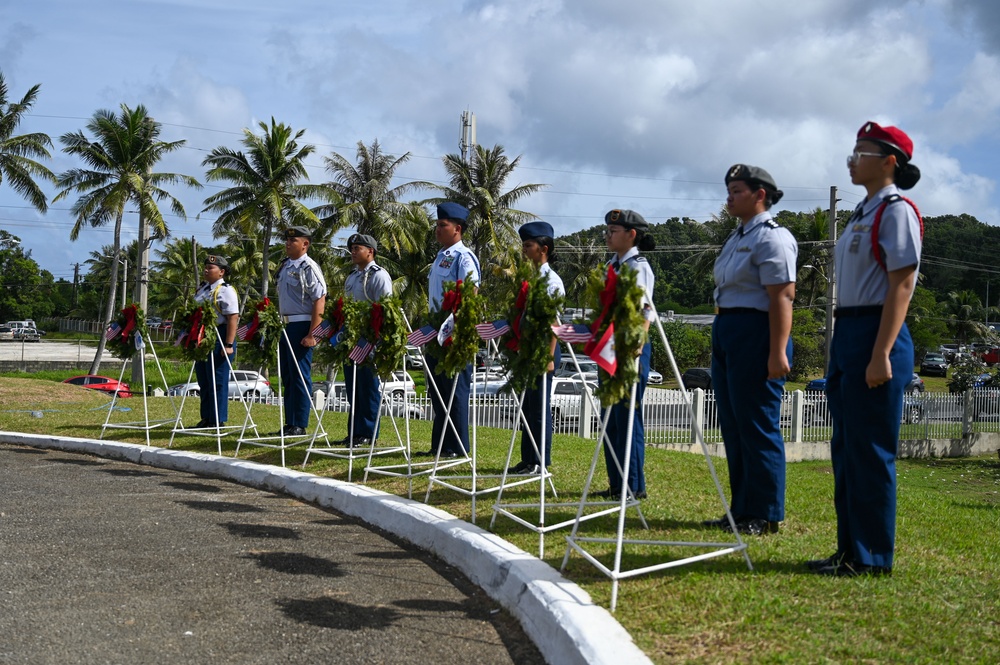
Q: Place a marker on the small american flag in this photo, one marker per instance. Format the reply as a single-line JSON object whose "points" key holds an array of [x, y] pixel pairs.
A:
{"points": [[113, 331], [241, 332], [360, 351], [422, 336], [323, 331], [573, 333], [488, 331]]}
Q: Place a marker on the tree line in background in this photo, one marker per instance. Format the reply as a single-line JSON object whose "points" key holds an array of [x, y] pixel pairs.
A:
{"points": [[266, 190]]}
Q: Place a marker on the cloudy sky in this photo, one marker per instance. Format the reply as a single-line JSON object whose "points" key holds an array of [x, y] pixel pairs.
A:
{"points": [[612, 103]]}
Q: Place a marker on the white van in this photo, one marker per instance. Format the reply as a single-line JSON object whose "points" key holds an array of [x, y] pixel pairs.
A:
{"points": [[27, 323]]}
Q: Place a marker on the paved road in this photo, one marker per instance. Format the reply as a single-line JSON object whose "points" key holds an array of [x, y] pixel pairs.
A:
{"points": [[51, 350], [110, 562]]}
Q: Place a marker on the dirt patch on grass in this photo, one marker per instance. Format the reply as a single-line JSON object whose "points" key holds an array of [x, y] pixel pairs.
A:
{"points": [[34, 392]]}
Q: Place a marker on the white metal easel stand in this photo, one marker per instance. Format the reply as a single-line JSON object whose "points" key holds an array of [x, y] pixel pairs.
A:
{"points": [[146, 424], [217, 431], [573, 541], [281, 441]]}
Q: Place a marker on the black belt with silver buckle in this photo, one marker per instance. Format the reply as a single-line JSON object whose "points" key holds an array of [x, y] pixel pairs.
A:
{"points": [[850, 312]]}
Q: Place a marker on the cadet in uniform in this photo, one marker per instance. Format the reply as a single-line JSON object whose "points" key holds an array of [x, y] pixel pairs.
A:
{"points": [[301, 301], [625, 235], [871, 358], [213, 374], [538, 246], [453, 262], [367, 281], [752, 349]]}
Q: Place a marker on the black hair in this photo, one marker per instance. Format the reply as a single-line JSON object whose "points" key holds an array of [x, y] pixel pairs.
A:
{"points": [[549, 244], [644, 241], [906, 175]]}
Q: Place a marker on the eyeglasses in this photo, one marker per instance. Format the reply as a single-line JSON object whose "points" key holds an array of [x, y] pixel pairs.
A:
{"points": [[610, 232], [856, 156]]}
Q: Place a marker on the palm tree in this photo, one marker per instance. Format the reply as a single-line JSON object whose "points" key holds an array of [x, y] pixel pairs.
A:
{"points": [[718, 229], [575, 262], [119, 163], [964, 312], [266, 192], [178, 273], [18, 153], [365, 198], [493, 220]]}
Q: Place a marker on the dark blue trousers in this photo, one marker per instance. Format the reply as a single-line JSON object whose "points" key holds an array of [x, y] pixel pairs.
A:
{"points": [[533, 414], [293, 358], [367, 391], [749, 414], [865, 439], [214, 388], [621, 413], [459, 408]]}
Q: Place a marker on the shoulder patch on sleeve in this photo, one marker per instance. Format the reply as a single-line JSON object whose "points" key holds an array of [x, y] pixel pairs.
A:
{"points": [[773, 224]]}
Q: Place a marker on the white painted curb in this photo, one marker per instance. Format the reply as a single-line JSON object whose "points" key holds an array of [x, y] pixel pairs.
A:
{"points": [[558, 616]]}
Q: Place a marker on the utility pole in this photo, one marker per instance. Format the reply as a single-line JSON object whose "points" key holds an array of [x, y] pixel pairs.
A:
{"points": [[76, 283], [831, 271], [467, 141]]}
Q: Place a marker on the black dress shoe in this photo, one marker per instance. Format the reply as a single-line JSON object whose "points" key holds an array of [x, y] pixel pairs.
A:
{"points": [[852, 569], [342, 442], [721, 523], [834, 559], [426, 453], [610, 494], [294, 431], [360, 442], [449, 455], [517, 468], [753, 526], [640, 494]]}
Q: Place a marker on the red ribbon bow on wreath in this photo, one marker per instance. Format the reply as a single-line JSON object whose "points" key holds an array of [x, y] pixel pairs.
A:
{"points": [[519, 306], [197, 331], [337, 317], [378, 318], [607, 298], [452, 299], [255, 323], [129, 314]]}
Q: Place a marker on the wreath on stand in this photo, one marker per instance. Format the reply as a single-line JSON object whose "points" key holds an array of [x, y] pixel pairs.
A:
{"points": [[525, 350], [619, 299], [344, 325], [196, 333], [385, 327], [261, 330], [461, 309], [126, 332]]}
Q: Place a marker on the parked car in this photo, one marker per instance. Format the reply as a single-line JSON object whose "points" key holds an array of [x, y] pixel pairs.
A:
{"points": [[6, 334], [697, 377], [568, 368], [103, 383], [655, 378], [817, 385], [27, 335], [399, 383], [414, 360], [394, 406], [567, 398], [241, 382], [934, 364], [153, 322]]}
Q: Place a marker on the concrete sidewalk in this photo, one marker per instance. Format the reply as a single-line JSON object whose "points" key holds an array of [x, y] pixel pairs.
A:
{"points": [[315, 588]]}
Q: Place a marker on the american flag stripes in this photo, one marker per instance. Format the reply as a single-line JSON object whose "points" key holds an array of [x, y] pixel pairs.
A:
{"points": [[360, 351], [241, 332], [323, 331], [421, 336], [573, 333], [488, 331], [113, 331]]}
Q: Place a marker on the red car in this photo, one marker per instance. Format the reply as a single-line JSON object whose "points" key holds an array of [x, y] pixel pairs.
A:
{"points": [[102, 383]]}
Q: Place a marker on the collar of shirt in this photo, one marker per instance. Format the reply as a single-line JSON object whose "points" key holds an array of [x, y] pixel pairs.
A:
{"points": [[870, 204], [633, 251], [756, 221], [447, 251]]}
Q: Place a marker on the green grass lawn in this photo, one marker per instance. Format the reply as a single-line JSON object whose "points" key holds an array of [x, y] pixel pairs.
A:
{"points": [[941, 605]]}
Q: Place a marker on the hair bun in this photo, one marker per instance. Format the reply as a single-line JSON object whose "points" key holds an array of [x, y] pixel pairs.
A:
{"points": [[647, 243], [908, 176]]}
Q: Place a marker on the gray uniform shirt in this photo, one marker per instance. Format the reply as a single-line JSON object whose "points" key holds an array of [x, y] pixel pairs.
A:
{"points": [[371, 284], [756, 255], [644, 275], [221, 297], [300, 283]]}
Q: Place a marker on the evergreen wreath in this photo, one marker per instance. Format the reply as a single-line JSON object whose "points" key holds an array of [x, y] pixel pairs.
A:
{"points": [[525, 350], [462, 300], [623, 307], [259, 344], [346, 320], [196, 333], [131, 321], [386, 329]]}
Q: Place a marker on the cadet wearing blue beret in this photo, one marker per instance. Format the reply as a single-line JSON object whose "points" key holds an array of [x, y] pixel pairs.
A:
{"points": [[453, 262], [752, 349], [538, 246]]}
